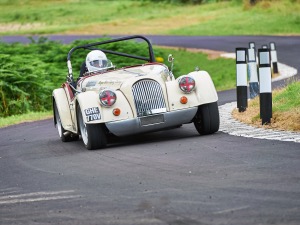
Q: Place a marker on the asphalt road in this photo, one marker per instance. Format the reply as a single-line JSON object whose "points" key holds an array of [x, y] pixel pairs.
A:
{"points": [[168, 177]]}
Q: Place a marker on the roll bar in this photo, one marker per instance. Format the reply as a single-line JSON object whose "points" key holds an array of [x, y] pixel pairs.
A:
{"points": [[90, 46]]}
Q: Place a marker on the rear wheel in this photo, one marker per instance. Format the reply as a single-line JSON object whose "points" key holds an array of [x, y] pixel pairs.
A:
{"points": [[64, 135], [93, 135], [207, 119]]}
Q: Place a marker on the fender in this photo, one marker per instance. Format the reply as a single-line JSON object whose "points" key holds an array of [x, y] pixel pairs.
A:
{"points": [[204, 92], [93, 112], [62, 103], [90, 107], [205, 89]]}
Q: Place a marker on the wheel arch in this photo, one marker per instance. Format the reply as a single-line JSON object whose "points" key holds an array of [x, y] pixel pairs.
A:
{"points": [[59, 98], [53, 111], [205, 88], [86, 101]]}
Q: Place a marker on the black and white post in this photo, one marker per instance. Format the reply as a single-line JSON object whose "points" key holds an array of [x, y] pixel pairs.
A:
{"points": [[252, 71], [241, 79], [251, 45], [265, 85], [274, 57]]}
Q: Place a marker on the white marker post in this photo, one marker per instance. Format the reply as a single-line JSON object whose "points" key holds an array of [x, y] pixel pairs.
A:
{"points": [[265, 85], [241, 79], [274, 57], [252, 70], [251, 45]]}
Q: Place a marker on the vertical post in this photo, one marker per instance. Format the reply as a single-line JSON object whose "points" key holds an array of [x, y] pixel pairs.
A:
{"points": [[265, 85], [251, 45], [252, 70], [274, 57], [241, 79]]}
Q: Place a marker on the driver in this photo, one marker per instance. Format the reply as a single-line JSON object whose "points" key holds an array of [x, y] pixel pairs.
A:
{"points": [[96, 60]]}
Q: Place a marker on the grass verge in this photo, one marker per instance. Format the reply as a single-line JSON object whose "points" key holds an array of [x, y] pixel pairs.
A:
{"points": [[286, 110], [28, 117]]}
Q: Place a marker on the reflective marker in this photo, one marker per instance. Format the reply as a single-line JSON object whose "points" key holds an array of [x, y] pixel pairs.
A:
{"points": [[265, 85], [251, 45], [274, 57], [241, 79], [252, 70]]}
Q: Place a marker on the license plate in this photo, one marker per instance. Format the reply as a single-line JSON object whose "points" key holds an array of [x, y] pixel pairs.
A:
{"points": [[150, 120]]}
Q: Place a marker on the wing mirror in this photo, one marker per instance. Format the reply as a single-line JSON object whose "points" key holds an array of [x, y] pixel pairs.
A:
{"points": [[171, 60]]}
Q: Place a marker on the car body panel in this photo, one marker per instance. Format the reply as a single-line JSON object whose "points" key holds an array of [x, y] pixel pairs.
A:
{"points": [[62, 103], [152, 123]]}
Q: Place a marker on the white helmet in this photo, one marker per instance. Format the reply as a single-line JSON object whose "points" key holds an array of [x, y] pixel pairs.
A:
{"points": [[96, 60]]}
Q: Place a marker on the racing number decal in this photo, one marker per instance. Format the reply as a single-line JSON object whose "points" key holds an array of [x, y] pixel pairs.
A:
{"points": [[92, 114]]}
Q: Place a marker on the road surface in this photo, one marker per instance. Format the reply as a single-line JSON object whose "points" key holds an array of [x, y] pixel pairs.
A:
{"points": [[168, 177]]}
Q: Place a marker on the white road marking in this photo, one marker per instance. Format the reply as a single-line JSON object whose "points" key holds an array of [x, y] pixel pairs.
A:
{"points": [[231, 210], [37, 199], [6, 191], [37, 196]]}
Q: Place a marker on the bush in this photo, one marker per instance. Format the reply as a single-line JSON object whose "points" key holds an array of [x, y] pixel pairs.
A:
{"points": [[179, 1], [29, 73]]}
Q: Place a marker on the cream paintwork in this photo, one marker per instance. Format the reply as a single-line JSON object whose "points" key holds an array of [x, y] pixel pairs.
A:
{"points": [[90, 99], [63, 108], [204, 92], [121, 82], [205, 88], [116, 78]]}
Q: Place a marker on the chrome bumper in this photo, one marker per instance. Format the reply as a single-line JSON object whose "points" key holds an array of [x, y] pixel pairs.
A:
{"points": [[151, 123]]}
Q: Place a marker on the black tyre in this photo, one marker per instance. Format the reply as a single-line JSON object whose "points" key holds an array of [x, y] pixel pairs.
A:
{"points": [[93, 135], [65, 136], [207, 119]]}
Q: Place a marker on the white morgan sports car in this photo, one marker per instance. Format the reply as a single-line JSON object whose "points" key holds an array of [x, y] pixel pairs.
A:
{"points": [[132, 100]]}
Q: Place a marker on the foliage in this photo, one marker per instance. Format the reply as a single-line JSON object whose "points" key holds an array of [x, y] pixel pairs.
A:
{"points": [[179, 1], [30, 72]]}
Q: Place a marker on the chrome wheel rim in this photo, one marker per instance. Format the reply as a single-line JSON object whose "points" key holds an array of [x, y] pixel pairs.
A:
{"points": [[59, 126], [58, 123], [83, 130]]}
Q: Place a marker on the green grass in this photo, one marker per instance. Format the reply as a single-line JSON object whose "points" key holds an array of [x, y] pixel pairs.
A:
{"points": [[276, 17], [289, 99], [27, 117], [124, 17], [222, 70]]}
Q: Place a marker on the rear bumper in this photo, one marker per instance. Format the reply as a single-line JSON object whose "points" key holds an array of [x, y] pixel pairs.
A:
{"points": [[151, 123]]}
